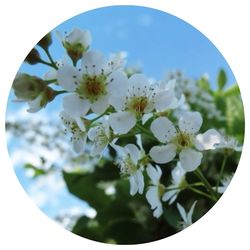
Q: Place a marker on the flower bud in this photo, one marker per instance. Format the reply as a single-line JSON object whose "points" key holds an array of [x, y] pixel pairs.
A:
{"points": [[45, 42], [28, 87], [33, 57], [76, 43], [42, 100]]}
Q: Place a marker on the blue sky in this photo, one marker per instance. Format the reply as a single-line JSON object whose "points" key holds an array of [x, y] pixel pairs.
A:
{"points": [[157, 41]]}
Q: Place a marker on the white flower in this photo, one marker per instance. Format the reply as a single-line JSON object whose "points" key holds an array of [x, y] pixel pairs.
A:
{"points": [[52, 74], [166, 98], [225, 182], [35, 105], [133, 98], [100, 135], [117, 60], [230, 143], [187, 217], [182, 140], [130, 166], [178, 177], [76, 36], [155, 191], [76, 129], [89, 86]]}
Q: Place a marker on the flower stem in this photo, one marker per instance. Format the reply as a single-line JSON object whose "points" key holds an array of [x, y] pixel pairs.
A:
{"points": [[209, 188], [202, 193], [51, 81], [221, 172], [48, 64], [51, 59], [145, 131], [98, 117]]}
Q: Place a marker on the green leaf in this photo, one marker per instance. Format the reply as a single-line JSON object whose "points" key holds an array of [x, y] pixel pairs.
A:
{"points": [[85, 187], [88, 228], [204, 84], [221, 79], [36, 171], [126, 232]]}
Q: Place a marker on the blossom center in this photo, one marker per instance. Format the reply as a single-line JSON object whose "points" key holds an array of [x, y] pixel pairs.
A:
{"points": [[127, 166], [92, 87], [138, 104], [161, 190], [183, 140]]}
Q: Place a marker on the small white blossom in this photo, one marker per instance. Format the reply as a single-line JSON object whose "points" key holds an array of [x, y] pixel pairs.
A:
{"points": [[178, 177], [89, 86], [155, 190], [133, 98], [182, 140], [130, 166], [76, 36], [186, 216], [229, 143], [100, 135], [76, 129]]}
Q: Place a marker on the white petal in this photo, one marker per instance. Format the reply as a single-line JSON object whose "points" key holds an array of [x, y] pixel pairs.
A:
{"points": [[118, 83], [35, 105], [93, 132], [190, 213], [79, 36], [75, 106], [134, 152], [163, 154], [163, 129], [140, 180], [97, 148], [78, 144], [190, 122], [208, 140], [152, 196], [93, 63], [80, 123], [177, 174], [177, 103], [169, 194], [50, 75], [172, 200], [221, 189], [154, 173], [182, 212], [164, 100], [133, 185], [68, 77], [138, 83], [146, 117], [190, 159], [100, 105], [158, 211], [122, 122]]}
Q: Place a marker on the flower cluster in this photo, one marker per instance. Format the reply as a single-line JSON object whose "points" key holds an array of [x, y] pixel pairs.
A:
{"points": [[103, 104]]}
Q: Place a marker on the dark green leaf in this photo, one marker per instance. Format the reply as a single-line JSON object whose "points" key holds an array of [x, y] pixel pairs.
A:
{"points": [[222, 79], [85, 187]]}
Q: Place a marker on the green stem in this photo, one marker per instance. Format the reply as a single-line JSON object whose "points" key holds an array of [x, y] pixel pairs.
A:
{"points": [[221, 172], [51, 81], [209, 188], [98, 117], [48, 64], [145, 131], [51, 59], [202, 193], [61, 92]]}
